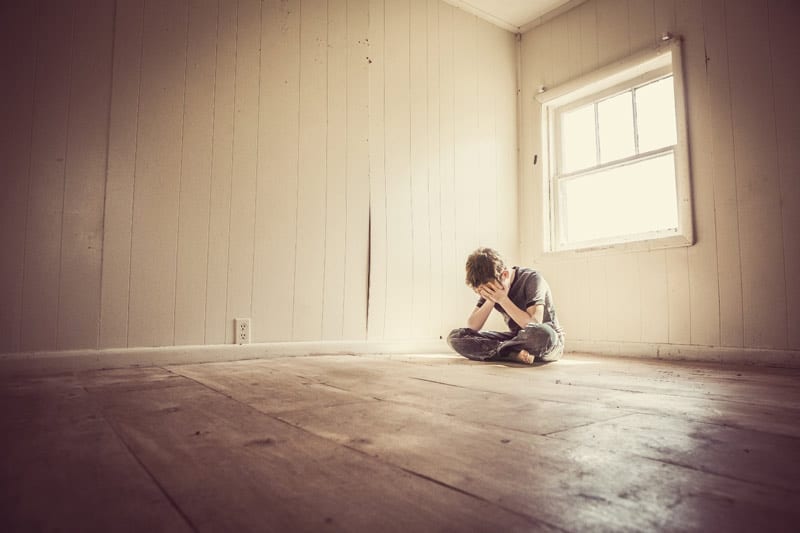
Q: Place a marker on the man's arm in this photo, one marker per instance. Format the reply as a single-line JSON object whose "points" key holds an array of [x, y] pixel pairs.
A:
{"points": [[536, 313], [496, 292], [479, 315]]}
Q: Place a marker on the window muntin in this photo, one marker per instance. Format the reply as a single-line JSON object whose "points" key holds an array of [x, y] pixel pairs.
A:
{"points": [[616, 149]]}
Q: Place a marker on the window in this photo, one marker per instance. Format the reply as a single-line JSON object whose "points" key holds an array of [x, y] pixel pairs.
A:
{"points": [[616, 165]]}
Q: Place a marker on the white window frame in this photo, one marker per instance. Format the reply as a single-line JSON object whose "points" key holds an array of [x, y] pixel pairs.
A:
{"points": [[626, 74]]}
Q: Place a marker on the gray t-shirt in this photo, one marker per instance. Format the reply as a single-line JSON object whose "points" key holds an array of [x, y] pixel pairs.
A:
{"points": [[529, 288]]}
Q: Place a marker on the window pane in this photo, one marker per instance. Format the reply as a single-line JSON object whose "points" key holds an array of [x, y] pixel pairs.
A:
{"points": [[631, 199], [579, 148], [655, 114], [615, 116]]}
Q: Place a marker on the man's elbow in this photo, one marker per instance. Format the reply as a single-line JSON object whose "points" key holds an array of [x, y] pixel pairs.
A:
{"points": [[534, 319]]}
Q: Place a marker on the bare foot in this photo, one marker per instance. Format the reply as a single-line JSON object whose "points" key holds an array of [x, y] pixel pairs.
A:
{"points": [[523, 357]]}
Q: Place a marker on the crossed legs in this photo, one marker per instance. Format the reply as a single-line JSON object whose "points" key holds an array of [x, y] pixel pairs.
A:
{"points": [[540, 342]]}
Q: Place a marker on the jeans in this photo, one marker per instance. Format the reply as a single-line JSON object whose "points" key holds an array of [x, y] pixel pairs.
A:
{"points": [[540, 340]]}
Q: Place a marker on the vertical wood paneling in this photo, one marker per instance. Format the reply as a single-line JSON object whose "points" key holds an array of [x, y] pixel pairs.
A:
{"points": [[488, 181], [158, 162], [664, 14], [612, 30], [702, 257], [574, 68], [216, 322], [245, 155], [641, 24], [85, 175], [357, 211], [504, 131], [623, 304], [506, 142], [336, 172], [784, 19], [42, 256], [596, 296], [433, 96], [122, 136], [195, 181], [579, 314], [276, 204], [590, 57], [724, 176], [467, 185], [654, 298], [544, 48], [399, 268], [419, 157], [757, 175], [264, 159], [731, 288], [559, 39], [678, 296], [17, 59], [561, 277], [452, 264], [310, 237], [376, 319]]}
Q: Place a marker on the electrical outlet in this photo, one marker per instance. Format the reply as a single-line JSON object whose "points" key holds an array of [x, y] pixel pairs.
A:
{"points": [[242, 327]]}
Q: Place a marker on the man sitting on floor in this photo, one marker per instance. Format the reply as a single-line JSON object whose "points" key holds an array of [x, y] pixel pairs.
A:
{"points": [[524, 299]]}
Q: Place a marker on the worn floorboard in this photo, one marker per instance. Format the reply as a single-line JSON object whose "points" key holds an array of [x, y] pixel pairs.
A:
{"points": [[65, 469], [411, 443]]}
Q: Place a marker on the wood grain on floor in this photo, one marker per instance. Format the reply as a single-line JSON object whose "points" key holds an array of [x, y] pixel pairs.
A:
{"points": [[403, 443]]}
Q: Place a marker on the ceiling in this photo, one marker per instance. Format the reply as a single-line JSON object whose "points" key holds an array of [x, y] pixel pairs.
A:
{"points": [[517, 16]]}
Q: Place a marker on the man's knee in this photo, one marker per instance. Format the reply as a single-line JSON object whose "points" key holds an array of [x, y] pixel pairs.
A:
{"points": [[459, 333], [554, 354], [541, 332], [540, 338]]}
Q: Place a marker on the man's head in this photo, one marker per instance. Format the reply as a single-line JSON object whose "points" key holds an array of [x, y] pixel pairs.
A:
{"points": [[485, 265]]}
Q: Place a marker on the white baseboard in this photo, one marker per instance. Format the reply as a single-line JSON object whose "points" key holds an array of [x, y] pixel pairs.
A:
{"points": [[685, 352], [81, 360]]}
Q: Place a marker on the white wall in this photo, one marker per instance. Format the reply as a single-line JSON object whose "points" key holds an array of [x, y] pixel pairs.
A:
{"points": [[443, 164], [738, 286], [170, 165]]}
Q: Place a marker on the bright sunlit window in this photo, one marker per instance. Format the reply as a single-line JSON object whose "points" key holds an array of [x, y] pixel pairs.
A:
{"points": [[615, 158]]}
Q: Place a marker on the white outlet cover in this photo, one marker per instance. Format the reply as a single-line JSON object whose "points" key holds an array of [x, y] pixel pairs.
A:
{"points": [[242, 330]]}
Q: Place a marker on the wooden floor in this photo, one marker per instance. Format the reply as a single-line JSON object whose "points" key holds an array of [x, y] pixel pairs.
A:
{"points": [[413, 443]]}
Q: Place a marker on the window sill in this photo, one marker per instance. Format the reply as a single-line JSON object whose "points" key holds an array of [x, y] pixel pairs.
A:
{"points": [[660, 243]]}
